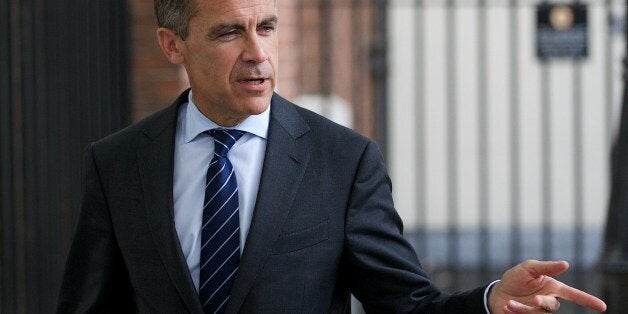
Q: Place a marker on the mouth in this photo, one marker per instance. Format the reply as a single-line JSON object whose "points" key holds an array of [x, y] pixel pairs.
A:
{"points": [[254, 81], [255, 85]]}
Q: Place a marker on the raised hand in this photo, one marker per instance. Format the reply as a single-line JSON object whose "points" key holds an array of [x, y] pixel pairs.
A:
{"points": [[530, 288]]}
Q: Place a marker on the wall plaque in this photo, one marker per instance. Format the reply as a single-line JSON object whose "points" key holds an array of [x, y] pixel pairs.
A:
{"points": [[561, 31]]}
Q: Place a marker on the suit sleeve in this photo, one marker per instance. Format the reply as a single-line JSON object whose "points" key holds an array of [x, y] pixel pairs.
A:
{"points": [[384, 271], [95, 278]]}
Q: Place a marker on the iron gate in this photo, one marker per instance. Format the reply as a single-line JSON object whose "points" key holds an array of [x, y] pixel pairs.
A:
{"points": [[498, 155]]}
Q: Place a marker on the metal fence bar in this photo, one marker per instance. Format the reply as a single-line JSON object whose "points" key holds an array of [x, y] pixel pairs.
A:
{"points": [[483, 139], [7, 282], [453, 236], [546, 159], [70, 64], [18, 248], [420, 135], [4, 138], [102, 53], [94, 67], [52, 145], [38, 137], [515, 175], [608, 76], [578, 174], [578, 165], [27, 160], [43, 218], [379, 72]]}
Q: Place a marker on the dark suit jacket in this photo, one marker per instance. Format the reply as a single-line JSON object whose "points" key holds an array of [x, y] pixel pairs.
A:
{"points": [[324, 225]]}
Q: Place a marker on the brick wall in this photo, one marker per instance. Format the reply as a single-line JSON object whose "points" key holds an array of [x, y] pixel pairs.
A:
{"points": [[155, 81]]}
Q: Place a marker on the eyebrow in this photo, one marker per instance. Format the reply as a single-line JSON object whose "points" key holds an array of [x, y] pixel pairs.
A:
{"points": [[270, 20]]}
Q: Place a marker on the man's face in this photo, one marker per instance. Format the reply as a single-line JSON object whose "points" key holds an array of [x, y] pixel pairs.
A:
{"points": [[230, 56]]}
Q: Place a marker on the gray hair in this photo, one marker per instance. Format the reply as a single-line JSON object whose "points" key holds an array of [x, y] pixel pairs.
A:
{"points": [[176, 14]]}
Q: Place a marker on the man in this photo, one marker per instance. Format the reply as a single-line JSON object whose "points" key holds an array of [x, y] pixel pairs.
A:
{"points": [[235, 200]]}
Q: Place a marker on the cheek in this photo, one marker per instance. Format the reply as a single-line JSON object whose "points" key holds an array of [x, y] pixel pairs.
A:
{"points": [[224, 64], [271, 46], [218, 69], [272, 51]]}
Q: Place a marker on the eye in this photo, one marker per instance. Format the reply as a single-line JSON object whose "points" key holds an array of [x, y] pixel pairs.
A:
{"points": [[266, 29], [228, 35]]}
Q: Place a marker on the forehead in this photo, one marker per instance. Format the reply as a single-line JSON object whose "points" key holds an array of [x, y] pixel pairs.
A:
{"points": [[233, 9]]}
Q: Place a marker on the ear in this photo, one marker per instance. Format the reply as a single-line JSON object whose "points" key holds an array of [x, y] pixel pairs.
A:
{"points": [[170, 44]]}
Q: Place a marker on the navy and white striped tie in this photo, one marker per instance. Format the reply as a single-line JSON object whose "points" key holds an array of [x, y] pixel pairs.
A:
{"points": [[220, 231]]}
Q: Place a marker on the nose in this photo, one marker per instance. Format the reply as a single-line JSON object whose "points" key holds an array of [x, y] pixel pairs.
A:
{"points": [[254, 50]]}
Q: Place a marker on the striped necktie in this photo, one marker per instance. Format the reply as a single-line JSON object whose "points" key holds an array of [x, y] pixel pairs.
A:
{"points": [[220, 231]]}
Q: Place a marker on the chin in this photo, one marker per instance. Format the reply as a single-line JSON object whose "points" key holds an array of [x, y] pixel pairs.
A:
{"points": [[259, 105], [258, 109]]}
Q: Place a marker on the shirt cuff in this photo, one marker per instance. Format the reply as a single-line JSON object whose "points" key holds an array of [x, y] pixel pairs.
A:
{"points": [[486, 291]]}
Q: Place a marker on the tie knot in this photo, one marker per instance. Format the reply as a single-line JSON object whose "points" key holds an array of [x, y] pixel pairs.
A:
{"points": [[224, 139]]}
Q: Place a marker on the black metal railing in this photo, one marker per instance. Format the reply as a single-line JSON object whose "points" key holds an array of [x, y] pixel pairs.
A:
{"points": [[63, 83]]}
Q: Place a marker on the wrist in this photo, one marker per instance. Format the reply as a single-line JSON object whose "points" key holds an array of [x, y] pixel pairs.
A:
{"points": [[490, 298]]}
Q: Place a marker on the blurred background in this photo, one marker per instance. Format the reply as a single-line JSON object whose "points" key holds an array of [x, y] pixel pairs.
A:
{"points": [[500, 122]]}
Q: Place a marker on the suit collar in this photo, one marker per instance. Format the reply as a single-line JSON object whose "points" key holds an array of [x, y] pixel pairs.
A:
{"points": [[285, 114]]}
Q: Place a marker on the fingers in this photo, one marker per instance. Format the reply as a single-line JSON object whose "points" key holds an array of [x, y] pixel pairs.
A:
{"points": [[516, 307], [532, 285], [581, 298], [542, 304], [538, 268], [562, 290], [519, 308], [547, 303]]}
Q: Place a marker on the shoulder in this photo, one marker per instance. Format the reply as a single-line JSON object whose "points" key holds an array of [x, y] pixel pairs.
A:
{"points": [[319, 128], [133, 135], [159, 124]]}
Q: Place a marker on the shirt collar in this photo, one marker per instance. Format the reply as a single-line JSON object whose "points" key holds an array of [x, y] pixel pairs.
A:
{"points": [[197, 123]]}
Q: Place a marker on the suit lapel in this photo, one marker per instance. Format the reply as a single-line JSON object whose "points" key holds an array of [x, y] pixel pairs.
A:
{"points": [[156, 162], [285, 161]]}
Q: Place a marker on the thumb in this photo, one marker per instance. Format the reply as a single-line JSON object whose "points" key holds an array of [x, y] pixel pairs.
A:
{"points": [[548, 268]]}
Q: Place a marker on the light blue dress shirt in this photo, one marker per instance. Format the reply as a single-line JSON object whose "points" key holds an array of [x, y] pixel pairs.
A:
{"points": [[192, 153]]}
